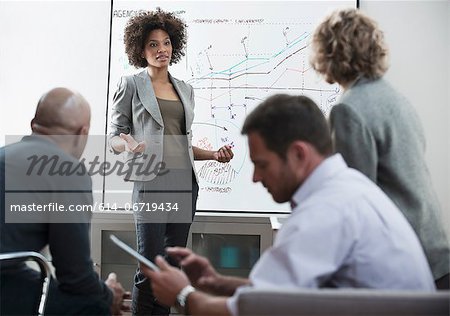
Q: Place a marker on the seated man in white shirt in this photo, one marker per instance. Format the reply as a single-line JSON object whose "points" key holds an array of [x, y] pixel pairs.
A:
{"points": [[343, 231]]}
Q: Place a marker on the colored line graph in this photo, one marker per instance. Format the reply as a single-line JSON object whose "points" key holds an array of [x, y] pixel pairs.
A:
{"points": [[228, 84], [228, 72]]}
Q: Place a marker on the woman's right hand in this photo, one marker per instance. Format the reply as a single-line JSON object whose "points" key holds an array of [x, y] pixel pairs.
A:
{"points": [[131, 145]]}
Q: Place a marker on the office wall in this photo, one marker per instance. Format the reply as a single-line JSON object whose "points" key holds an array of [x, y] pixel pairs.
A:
{"points": [[60, 43], [44, 44]]}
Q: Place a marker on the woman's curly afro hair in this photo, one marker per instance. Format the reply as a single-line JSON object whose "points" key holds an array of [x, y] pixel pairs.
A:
{"points": [[138, 28]]}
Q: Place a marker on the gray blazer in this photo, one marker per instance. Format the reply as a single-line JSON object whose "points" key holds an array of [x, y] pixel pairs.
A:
{"points": [[378, 132], [135, 111]]}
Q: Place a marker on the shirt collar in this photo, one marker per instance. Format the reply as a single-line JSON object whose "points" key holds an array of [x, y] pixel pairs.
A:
{"points": [[39, 138], [325, 170]]}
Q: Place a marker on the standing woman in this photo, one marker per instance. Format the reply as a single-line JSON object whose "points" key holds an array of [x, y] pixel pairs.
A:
{"points": [[152, 116], [377, 130]]}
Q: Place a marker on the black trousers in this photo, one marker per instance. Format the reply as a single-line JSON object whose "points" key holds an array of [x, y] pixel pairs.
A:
{"points": [[153, 238], [20, 295]]}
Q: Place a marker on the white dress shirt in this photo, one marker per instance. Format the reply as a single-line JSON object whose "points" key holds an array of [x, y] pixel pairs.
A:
{"points": [[344, 232]]}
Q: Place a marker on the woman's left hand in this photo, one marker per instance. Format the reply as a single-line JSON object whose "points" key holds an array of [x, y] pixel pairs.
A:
{"points": [[224, 154]]}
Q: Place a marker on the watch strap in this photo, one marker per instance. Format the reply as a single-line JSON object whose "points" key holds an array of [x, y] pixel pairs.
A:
{"points": [[182, 298]]}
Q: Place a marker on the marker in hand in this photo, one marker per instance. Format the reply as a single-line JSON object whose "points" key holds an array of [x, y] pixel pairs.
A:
{"points": [[224, 154]]}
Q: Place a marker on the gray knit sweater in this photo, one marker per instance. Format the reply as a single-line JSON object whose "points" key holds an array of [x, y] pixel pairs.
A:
{"points": [[378, 132]]}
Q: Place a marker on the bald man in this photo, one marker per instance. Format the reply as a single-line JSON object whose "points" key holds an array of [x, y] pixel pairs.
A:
{"points": [[62, 112], [60, 128]]}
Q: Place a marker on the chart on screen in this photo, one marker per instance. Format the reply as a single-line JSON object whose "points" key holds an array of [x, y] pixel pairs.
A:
{"points": [[237, 55]]}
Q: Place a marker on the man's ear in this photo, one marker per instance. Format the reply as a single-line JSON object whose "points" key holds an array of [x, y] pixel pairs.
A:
{"points": [[84, 130], [298, 150]]}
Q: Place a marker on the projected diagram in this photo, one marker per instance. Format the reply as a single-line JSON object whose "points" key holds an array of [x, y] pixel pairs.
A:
{"points": [[235, 72], [235, 59]]}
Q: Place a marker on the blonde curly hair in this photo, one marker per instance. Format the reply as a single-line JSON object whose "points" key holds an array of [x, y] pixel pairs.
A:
{"points": [[348, 45]]}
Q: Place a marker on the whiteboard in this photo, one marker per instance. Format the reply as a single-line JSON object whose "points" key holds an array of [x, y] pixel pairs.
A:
{"points": [[238, 54]]}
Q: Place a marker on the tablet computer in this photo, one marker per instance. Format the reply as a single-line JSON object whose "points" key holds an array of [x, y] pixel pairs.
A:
{"points": [[134, 253]]}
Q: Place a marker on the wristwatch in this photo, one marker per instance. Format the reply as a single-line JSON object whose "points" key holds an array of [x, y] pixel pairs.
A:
{"points": [[181, 304]]}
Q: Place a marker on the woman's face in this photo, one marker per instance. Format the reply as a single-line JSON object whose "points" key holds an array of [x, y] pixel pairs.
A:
{"points": [[158, 49]]}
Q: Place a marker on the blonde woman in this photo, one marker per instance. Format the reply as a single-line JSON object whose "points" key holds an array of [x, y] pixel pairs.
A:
{"points": [[376, 129]]}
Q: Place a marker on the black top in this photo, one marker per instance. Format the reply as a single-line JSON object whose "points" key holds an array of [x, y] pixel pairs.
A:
{"points": [[24, 184]]}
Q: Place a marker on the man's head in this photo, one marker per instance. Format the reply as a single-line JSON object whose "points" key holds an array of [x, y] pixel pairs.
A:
{"points": [[288, 137], [64, 116]]}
